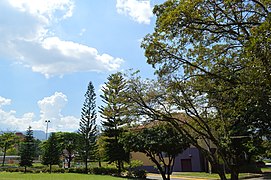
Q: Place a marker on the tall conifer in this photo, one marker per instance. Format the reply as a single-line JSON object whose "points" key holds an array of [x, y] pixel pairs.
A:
{"points": [[27, 149], [114, 114], [88, 128]]}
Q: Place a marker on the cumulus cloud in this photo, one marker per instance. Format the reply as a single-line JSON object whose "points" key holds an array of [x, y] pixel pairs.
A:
{"points": [[139, 10], [28, 37], [4, 101], [8, 119], [50, 109]]}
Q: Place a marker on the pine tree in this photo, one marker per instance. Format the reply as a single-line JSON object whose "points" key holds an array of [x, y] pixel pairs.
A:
{"points": [[114, 113], [27, 149], [51, 152], [88, 128]]}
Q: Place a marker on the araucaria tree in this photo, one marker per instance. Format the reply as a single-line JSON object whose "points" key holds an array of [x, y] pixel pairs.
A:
{"points": [[51, 152], [88, 128], [114, 113], [27, 149]]}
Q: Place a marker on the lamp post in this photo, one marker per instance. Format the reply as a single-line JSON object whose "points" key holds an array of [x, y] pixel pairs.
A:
{"points": [[46, 121]]}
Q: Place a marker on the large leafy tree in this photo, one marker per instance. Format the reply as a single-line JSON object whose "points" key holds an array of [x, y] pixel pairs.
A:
{"points": [[114, 113], [7, 141], [88, 128], [51, 151], [69, 143], [214, 59], [160, 142], [27, 149]]}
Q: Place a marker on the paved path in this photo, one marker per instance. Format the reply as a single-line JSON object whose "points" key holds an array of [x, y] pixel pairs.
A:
{"points": [[172, 177], [158, 177]]}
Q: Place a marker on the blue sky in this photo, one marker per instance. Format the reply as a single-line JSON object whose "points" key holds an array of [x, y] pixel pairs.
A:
{"points": [[51, 49]]}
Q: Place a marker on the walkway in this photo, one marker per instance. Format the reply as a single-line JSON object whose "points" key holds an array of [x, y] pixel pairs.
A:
{"points": [[158, 177]]}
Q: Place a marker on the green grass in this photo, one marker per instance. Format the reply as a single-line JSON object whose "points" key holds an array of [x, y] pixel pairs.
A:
{"points": [[47, 176]]}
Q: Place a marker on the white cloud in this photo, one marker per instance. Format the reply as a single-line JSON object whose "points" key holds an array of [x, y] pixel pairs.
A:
{"points": [[4, 101], [28, 37], [9, 121], [45, 9], [50, 109], [139, 10]]}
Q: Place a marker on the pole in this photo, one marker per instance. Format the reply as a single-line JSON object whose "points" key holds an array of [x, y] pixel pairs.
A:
{"points": [[47, 121]]}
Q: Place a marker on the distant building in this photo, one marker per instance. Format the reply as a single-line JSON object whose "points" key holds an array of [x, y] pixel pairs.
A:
{"points": [[191, 160]]}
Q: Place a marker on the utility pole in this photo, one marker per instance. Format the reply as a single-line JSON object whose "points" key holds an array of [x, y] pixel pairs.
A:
{"points": [[46, 134]]}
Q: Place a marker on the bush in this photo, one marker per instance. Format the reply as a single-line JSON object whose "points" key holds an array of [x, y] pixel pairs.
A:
{"points": [[76, 170], [104, 170], [58, 170], [140, 173]]}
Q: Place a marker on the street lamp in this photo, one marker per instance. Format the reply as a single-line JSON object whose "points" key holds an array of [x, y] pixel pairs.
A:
{"points": [[47, 121]]}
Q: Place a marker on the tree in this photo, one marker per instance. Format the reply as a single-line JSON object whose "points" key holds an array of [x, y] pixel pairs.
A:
{"points": [[27, 149], [69, 143], [160, 142], [101, 149], [114, 114], [7, 141], [88, 128], [213, 57], [51, 152]]}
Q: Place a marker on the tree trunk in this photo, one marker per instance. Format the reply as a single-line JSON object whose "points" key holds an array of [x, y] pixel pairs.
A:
{"points": [[168, 174], [221, 175], [160, 169], [100, 164], [234, 173], [69, 160], [4, 158], [24, 169], [119, 168], [86, 162], [50, 168], [220, 171]]}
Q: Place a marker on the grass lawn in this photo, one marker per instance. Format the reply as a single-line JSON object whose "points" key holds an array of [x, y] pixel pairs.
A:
{"points": [[53, 176]]}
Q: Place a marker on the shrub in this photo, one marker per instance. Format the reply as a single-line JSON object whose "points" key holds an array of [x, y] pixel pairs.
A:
{"points": [[58, 170], [139, 173], [76, 170], [104, 170]]}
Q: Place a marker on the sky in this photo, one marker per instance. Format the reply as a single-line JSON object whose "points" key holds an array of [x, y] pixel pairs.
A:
{"points": [[51, 49]]}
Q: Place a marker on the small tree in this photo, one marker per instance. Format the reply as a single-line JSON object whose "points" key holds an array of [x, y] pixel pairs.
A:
{"points": [[161, 142], [51, 152], [7, 141], [27, 149], [69, 143], [88, 129], [114, 113]]}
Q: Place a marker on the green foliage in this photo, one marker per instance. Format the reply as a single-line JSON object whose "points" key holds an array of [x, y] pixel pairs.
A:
{"points": [[7, 141], [51, 151], [27, 149], [213, 59], [160, 142], [69, 143], [139, 173], [104, 170], [115, 117], [88, 128]]}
